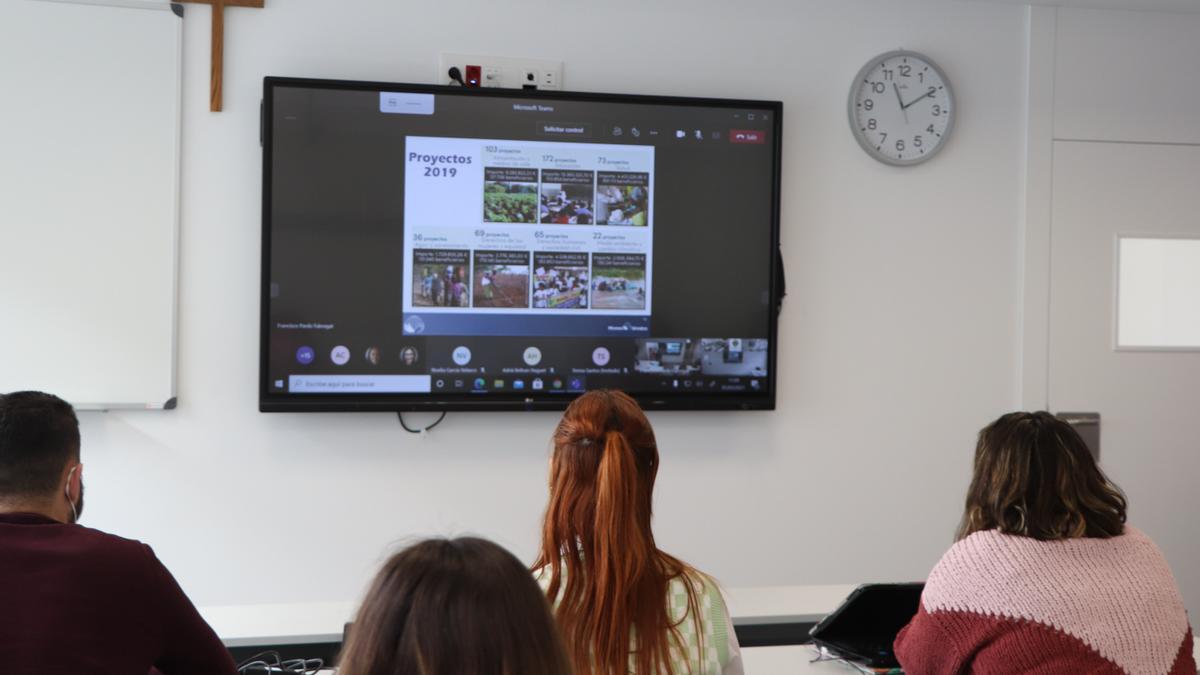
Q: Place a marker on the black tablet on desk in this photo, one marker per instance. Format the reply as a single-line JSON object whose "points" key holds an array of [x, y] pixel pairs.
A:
{"points": [[864, 627]]}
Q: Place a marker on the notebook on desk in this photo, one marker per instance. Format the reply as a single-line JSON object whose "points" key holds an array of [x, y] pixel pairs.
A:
{"points": [[864, 627]]}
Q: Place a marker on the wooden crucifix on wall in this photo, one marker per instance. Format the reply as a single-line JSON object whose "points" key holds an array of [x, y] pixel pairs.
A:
{"points": [[218, 42]]}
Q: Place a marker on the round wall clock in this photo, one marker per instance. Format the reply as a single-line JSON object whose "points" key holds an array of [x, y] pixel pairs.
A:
{"points": [[901, 108]]}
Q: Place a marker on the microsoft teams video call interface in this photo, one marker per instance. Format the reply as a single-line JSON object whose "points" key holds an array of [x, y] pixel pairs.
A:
{"points": [[460, 244]]}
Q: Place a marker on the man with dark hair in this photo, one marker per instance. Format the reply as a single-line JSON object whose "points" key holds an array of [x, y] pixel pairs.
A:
{"points": [[77, 600]]}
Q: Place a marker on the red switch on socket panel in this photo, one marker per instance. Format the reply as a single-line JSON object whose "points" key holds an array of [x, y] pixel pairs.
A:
{"points": [[473, 75]]}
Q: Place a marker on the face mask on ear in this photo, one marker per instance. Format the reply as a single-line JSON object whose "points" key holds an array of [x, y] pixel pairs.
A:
{"points": [[75, 510]]}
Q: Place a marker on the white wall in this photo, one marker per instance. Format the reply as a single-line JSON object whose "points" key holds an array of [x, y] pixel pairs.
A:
{"points": [[898, 339]]}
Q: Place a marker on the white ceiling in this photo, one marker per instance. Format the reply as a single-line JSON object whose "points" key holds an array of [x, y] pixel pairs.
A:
{"points": [[1145, 5]]}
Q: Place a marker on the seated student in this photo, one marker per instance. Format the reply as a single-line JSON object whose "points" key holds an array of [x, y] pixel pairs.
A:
{"points": [[1046, 577], [454, 607], [624, 605], [77, 600]]}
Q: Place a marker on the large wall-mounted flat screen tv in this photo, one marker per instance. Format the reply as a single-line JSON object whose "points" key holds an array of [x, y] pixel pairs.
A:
{"points": [[449, 248]]}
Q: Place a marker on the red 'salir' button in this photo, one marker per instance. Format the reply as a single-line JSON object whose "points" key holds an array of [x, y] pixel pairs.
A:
{"points": [[747, 136]]}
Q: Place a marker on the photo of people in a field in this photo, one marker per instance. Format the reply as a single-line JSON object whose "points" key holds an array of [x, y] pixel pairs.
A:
{"points": [[510, 195], [501, 279]]}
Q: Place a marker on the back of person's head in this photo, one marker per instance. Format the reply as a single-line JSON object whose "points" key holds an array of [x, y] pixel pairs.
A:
{"points": [[454, 607], [39, 436], [604, 569], [1035, 477]]}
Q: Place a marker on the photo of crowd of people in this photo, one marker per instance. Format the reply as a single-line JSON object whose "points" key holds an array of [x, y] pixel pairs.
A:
{"points": [[501, 279], [619, 281], [622, 198], [560, 280], [510, 195], [440, 278], [566, 197]]}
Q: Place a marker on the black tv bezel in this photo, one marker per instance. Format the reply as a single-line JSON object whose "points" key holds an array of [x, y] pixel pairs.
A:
{"points": [[492, 401]]}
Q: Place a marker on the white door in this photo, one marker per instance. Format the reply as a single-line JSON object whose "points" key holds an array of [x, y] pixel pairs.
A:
{"points": [[1149, 401]]}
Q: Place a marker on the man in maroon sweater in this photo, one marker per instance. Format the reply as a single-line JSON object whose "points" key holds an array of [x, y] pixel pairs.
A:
{"points": [[74, 600]]}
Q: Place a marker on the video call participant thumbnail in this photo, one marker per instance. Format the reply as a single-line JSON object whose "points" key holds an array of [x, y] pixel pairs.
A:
{"points": [[77, 600]]}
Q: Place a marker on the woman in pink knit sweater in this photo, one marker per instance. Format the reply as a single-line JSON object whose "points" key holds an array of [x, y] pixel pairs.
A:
{"points": [[1046, 577]]}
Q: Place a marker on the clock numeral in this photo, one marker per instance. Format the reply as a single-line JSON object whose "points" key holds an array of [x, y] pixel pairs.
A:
{"points": [[932, 90], [930, 129], [877, 87], [905, 71], [937, 110], [868, 104], [921, 77], [917, 142], [871, 124], [888, 73], [900, 145], [884, 135]]}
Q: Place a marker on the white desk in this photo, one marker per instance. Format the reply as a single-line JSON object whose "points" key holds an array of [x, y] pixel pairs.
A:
{"points": [[309, 623], [283, 624], [790, 660]]}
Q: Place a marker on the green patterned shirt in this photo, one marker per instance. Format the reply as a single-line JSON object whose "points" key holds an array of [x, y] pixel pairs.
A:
{"points": [[722, 655]]}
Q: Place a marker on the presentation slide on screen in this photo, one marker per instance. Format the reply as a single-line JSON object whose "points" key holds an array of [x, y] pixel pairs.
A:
{"points": [[527, 228]]}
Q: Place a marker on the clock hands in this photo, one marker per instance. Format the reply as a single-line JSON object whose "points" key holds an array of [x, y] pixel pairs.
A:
{"points": [[903, 108]]}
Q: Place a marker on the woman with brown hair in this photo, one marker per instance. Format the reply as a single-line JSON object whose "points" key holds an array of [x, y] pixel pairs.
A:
{"points": [[1046, 577], [623, 605], [454, 607]]}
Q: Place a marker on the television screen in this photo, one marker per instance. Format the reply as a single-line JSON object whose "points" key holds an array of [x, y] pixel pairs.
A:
{"points": [[451, 248]]}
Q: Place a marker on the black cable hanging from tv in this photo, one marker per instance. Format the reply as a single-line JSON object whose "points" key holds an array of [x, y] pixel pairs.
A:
{"points": [[421, 430]]}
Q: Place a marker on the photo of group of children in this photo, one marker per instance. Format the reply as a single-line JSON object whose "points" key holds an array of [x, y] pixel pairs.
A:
{"points": [[510, 195], [440, 278], [514, 280], [619, 280], [560, 280], [566, 197], [622, 198]]}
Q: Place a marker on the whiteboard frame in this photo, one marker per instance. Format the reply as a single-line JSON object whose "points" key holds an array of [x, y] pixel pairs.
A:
{"points": [[173, 386]]}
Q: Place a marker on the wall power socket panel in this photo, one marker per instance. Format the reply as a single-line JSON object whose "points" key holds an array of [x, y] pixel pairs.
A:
{"points": [[503, 71]]}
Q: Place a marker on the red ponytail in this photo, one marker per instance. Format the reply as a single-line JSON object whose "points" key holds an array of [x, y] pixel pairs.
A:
{"points": [[606, 573]]}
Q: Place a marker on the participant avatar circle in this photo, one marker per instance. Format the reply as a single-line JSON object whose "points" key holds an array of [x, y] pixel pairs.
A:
{"points": [[340, 355], [409, 356], [533, 356], [372, 356], [305, 355], [600, 356], [461, 355]]}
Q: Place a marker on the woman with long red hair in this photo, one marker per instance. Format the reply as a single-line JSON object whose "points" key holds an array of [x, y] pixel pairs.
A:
{"points": [[623, 605]]}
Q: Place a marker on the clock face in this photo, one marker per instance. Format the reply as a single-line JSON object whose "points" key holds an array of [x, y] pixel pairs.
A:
{"points": [[901, 108]]}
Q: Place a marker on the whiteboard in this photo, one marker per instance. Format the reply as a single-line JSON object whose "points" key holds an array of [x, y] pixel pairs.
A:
{"points": [[89, 200]]}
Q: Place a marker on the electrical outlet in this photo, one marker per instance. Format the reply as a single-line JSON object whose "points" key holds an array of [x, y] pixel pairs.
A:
{"points": [[504, 71]]}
